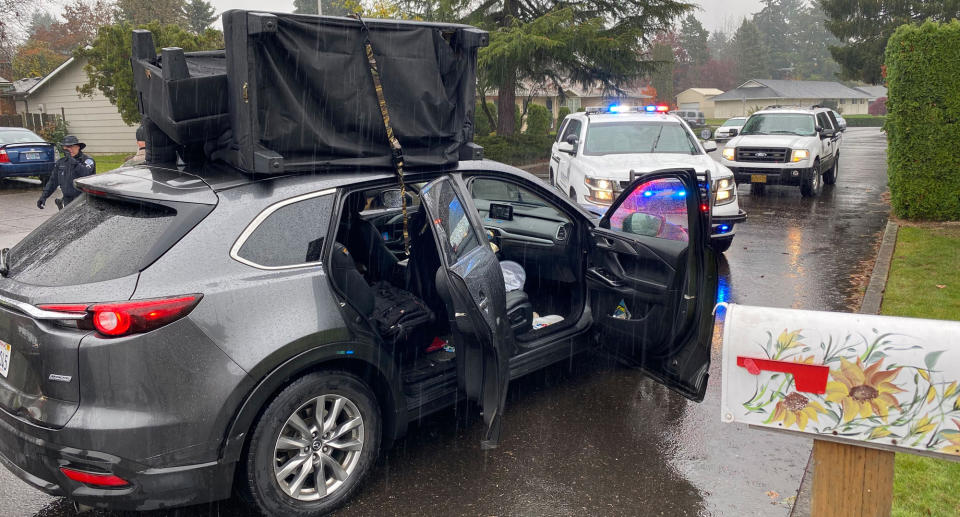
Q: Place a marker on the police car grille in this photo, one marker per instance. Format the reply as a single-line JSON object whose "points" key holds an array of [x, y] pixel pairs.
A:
{"points": [[762, 154]]}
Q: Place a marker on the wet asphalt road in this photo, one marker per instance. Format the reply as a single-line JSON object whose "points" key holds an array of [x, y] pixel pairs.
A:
{"points": [[592, 438]]}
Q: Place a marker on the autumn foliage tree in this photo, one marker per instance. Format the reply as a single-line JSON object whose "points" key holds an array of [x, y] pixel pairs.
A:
{"points": [[35, 59]]}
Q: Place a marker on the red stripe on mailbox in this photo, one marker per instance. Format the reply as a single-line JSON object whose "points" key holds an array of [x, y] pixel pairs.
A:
{"points": [[808, 378]]}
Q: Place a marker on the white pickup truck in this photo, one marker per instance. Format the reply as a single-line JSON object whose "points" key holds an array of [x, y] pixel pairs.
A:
{"points": [[786, 146]]}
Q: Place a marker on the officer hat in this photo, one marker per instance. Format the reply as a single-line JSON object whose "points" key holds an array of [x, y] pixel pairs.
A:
{"points": [[72, 140]]}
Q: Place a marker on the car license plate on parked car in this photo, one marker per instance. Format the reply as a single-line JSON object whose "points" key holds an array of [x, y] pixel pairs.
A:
{"points": [[31, 156], [758, 178], [4, 358]]}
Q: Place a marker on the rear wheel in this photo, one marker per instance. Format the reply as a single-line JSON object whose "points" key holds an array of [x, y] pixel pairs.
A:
{"points": [[811, 186], [313, 445], [830, 178]]}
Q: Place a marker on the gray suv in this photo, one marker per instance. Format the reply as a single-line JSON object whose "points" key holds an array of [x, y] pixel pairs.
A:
{"points": [[176, 335]]}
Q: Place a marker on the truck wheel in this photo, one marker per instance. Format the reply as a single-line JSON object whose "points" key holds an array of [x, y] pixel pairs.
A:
{"points": [[812, 186], [312, 446], [830, 178], [758, 189], [722, 245]]}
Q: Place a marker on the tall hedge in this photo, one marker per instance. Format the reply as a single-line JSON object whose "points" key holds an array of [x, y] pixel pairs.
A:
{"points": [[923, 120]]}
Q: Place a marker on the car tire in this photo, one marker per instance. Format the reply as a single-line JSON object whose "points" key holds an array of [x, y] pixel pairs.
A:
{"points": [[811, 186], [722, 245], [830, 178], [289, 418], [758, 189]]}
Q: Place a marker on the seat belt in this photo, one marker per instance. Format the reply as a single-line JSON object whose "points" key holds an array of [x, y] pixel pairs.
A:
{"points": [[396, 152]]}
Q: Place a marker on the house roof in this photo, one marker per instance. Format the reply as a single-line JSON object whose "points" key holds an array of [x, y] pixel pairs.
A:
{"points": [[22, 85], [756, 89], [2, 80], [875, 92], [702, 91], [43, 80]]}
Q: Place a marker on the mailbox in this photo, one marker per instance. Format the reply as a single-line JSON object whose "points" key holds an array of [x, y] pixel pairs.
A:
{"points": [[874, 381]]}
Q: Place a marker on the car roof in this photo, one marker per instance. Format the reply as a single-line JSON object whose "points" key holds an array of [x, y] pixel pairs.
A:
{"points": [[631, 117], [794, 111]]}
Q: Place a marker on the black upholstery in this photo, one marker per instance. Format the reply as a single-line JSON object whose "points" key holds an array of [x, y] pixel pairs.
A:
{"points": [[424, 263], [519, 311], [343, 271], [367, 244]]}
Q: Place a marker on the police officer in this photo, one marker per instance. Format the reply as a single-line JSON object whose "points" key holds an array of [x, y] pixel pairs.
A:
{"points": [[74, 165]]}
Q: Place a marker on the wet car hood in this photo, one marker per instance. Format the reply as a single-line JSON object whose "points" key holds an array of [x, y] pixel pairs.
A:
{"points": [[618, 166]]}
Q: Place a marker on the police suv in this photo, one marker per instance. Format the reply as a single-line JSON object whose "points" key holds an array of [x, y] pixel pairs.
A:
{"points": [[787, 146], [600, 151]]}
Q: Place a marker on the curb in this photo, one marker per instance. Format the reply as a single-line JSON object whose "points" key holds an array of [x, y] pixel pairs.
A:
{"points": [[872, 299]]}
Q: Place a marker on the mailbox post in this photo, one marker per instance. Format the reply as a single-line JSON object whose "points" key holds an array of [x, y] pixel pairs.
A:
{"points": [[861, 385]]}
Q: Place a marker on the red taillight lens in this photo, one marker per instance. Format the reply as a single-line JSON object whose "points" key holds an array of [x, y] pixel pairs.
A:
{"points": [[121, 318], [92, 478], [3, 157]]}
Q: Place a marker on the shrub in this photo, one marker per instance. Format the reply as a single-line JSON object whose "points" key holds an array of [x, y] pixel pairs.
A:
{"points": [[516, 149], [538, 120], [53, 131], [864, 121], [923, 120], [561, 114]]}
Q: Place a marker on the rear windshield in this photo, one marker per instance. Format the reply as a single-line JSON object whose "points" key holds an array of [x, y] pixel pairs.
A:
{"points": [[18, 136], [92, 240]]}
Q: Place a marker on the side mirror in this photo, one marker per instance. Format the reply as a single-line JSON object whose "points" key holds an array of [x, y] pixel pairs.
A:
{"points": [[639, 223], [709, 146], [827, 132], [733, 132], [705, 134], [573, 140], [566, 147]]}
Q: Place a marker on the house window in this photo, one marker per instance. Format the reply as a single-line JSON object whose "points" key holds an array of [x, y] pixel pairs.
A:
{"points": [[573, 103]]}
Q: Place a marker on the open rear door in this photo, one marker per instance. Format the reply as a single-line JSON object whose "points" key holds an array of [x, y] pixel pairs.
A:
{"points": [[652, 279], [471, 284]]}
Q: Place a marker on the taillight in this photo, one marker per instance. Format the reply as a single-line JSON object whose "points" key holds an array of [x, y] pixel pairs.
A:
{"points": [[94, 478], [3, 156], [116, 319]]}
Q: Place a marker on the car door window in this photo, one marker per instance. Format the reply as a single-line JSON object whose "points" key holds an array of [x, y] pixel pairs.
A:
{"points": [[560, 132], [573, 128], [288, 234], [659, 209], [457, 236], [823, 121], [833, 119]]}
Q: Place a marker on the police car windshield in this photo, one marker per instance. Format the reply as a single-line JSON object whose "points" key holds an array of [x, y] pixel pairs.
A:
{"points": [[779, 124], [18, 136], [631, 137]]}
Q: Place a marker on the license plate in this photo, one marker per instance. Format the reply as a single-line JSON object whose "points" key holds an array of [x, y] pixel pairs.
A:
{"points": [[758, 178], [31, 156], [4, 358]]}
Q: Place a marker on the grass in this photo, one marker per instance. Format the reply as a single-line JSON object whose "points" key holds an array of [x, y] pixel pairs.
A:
{"points": [[926, 258], [108, 162]]}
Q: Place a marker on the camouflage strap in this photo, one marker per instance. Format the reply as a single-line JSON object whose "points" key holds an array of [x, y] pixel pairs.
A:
{"points": [[395, 149]]}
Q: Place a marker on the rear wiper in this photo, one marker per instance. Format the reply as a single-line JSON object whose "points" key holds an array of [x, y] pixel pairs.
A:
{"points": [[4, 267]]}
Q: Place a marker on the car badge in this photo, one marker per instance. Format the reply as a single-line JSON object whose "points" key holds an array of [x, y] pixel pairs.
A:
{"points": [[761, 155]]}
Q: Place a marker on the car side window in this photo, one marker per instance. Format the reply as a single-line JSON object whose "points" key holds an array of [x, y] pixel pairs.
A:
{"points": [[656, 209], [833, 119], [290, 235], [573, 128], [823, 121], [563, 127], [456, 233]]}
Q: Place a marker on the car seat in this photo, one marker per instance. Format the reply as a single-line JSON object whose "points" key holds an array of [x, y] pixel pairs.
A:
{"points": [[367, 244]]}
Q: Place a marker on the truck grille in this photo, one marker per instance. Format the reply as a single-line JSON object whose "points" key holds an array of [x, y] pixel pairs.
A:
{"points": [[762, 154]]}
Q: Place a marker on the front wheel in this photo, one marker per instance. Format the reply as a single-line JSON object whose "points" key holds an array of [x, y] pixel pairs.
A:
{"points": [[811, 187], [830, 178], [313, 445]]}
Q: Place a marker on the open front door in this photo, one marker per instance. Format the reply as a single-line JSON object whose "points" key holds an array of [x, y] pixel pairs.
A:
{"points": [[471, 284], [652, 279]]}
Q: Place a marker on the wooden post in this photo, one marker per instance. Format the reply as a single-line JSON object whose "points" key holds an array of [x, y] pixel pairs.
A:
{"points": [[851, 481]]}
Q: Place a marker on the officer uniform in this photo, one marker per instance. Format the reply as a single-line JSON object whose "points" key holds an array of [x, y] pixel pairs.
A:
{"points": [[66, 170]]}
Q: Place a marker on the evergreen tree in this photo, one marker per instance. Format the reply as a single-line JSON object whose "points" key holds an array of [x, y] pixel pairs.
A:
{"points": [[719, 45], [330, 7], [200, 15], [748, 52], [662, 78], [139, 12], [777, 25], [694, 39], [863, 28]]}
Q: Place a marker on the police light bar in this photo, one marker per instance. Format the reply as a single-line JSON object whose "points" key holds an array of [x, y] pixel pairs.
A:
{"points": [[616, 108]]}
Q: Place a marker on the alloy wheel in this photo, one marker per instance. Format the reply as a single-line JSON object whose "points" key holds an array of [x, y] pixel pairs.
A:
{"points": [[318, 448]]}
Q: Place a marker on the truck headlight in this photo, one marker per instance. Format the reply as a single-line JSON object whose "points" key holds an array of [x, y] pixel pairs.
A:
{"points": [[729, 153], [601, 190], [726, 191], [799, 155]]}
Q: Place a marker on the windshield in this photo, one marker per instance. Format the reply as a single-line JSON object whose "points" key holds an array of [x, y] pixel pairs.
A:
{"points": [[735, 122], [629, 137], [18, 136], [779, 124]]}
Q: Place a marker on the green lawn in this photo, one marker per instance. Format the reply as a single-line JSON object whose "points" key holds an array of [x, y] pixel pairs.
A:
{"points": [[108, 162], [925, 259]]}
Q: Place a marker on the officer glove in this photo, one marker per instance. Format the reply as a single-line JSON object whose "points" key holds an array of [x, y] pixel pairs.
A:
{"points": [[40, 203]]}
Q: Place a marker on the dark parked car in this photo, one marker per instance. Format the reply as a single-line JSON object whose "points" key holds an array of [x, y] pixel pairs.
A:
{"points": [[171, 337], [24, 153]]}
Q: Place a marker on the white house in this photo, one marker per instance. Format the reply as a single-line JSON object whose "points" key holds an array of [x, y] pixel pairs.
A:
{"points": [[94, 120], [756, 94]]}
